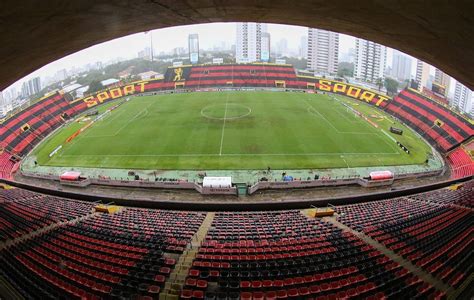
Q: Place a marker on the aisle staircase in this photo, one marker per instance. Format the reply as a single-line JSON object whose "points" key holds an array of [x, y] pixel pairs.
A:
{"points": [[174, 284], [241, 189]]}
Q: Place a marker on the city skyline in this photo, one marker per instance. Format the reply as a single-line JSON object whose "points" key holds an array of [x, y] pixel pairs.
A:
{"points": [[210, 35], [127, 47]]}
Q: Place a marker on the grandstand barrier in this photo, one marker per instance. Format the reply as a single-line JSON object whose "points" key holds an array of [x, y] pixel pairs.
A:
{"points": [[418, 174], [219, 191], [299, 203], [79, 183], [184, 185], [261, 185], [266, 185], [375, 183]]}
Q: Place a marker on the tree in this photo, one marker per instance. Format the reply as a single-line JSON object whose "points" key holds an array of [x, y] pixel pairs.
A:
{"points": [[379, 83], [391, 85], [345, 69], [298, 63], [95, 86]]}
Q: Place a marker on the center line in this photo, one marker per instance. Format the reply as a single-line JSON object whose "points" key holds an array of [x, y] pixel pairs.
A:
{"points": [[223, 124]]}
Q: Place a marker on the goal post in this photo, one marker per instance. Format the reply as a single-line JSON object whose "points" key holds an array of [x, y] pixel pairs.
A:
{"points": [[280, 84]]}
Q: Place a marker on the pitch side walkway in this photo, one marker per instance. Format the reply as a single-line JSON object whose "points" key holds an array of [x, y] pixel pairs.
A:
{"points": [[238, 176]]}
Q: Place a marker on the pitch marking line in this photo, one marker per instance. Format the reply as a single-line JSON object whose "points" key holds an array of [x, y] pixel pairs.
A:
{"points": [[249, 111], [311, 109], [228, 154], [124, 125], [223, 125], [342, 156], [346, 110]]}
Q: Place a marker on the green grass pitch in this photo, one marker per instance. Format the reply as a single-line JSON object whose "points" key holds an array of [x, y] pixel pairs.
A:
{"points": [[234, 130]]}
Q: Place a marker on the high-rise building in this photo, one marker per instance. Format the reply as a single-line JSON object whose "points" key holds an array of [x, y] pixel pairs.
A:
{"points": [[323, 51], [265, 50], [463, 98], [442, 80], [304, 46], [60, 75], [348, 56], [401, 66], [24, 90], [422, 74], [145, 53], [282, 47], [370, 60], [35, 85], [31, 87], [249, 42], [193, 48], [3, 106]]}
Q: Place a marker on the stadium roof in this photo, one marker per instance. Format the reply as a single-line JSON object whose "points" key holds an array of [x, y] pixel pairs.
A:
{"points": [[71, 87], [440, 33], [109, 81]]}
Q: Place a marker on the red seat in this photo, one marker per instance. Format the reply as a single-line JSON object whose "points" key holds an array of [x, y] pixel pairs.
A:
{"points": [[154, 289], [314, 289], [160, 278], [186, 294], [304, 291], [190, 282], [278, 283], [258, 296], [267, 284], [272, 295], [245, 284], [198, 294], [246, 296], [282, 294], [201, 284], [293, 293]]}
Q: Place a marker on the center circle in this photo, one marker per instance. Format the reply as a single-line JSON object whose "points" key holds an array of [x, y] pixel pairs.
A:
{"points": [[229, 111]]}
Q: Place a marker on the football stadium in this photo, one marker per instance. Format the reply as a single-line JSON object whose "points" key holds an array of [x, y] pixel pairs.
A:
{"points": [[237, 179]]}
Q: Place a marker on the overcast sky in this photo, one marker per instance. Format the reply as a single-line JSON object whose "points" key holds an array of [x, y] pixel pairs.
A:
{"points": [[169, 38]]}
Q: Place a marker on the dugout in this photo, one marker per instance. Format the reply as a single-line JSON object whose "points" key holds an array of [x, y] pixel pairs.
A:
{"points": [[396, 130]]}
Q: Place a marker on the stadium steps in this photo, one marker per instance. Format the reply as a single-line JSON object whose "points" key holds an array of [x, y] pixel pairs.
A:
{"points": [[175, 282], [7, 291], [465, 288], [438, 284]]}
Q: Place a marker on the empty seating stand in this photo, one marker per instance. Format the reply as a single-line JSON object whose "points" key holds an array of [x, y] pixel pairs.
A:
{"points": [[22, 212], [25, 129], [437, 238], [105, 256], [461, 163], [437, 123], [462, 195], [244, 255], [284, 255], [6, 165], [251, 75]]}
